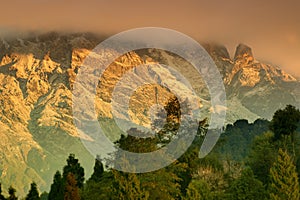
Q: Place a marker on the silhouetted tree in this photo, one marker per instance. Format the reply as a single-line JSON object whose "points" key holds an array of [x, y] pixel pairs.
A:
{"points": [[284, 124], [12, 193], [73, 166], [100, 189], [173, 109], [98, 170], [33, 193], [1, 196], [57, 188]]}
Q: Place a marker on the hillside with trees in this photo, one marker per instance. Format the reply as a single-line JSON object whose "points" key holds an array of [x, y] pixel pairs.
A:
{"points": [[259, 160]]}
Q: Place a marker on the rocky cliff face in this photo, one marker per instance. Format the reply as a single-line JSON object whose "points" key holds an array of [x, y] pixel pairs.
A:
{"points": [[36, 121], [261, 88], [254, 89], [37, 76]]}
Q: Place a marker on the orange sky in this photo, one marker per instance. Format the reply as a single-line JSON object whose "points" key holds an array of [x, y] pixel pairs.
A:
{"points": [[271, 28]]}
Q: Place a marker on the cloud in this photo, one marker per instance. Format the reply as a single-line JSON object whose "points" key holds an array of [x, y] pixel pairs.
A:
{"points": [[271, 29]]}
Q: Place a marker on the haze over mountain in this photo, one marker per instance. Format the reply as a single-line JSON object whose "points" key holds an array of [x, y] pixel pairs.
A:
{"points": [[37, 75]]}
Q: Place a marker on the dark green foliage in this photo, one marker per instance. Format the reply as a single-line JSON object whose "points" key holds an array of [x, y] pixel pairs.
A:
{"points": [[33, 193], [59, 182], [262, 156], [161, 184], [127, 186], [236, 141], [99, 190], [212, 161], [98, 170], [184, 176], [136, 142], [243, 165], [189, 161], [1, 196], [71, 188], [198, 189], [94, 190], [44, 196], [99, 186], [12, 193], [73, 166], [57, 188], [247, 187], [284, 125], [285, 121], [284, 178], [133, 144], [296, 158]]}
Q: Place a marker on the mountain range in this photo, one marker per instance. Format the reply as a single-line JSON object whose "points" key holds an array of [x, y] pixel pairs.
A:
{"points": [[37, 75]]}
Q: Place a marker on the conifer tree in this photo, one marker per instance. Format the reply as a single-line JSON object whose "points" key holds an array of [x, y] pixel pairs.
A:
{"points": [[1, 196], [100, 187], [33, 193], [71, 188], [73, 166], [12, 193], [98, 170], [284, 179], [57, 187]]}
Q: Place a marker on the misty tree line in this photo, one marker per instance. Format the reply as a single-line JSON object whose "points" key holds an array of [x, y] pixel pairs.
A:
{"points": [[250, 161]]}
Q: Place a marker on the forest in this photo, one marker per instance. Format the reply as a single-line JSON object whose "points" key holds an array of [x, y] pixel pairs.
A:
{"points": [[259, 160]]}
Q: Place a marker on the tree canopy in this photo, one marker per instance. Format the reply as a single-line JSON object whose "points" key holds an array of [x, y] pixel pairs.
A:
{"points": [[33, 192], [285, 121], [284, 178]]}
